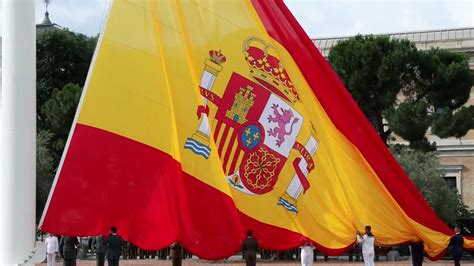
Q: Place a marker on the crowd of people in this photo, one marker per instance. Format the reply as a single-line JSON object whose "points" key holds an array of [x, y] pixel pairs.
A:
{"points": [[110, 248], [114, 247]]}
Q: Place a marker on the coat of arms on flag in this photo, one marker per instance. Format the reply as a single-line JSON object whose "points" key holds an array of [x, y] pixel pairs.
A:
{"points": [[255, 126]]}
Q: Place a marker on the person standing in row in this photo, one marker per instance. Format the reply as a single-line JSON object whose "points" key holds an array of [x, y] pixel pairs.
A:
{"points": [[456, 243], [52, 248], [176, 254], [307, 254], [249, 248], [114, 247], [417, 253], [68, 249], [100, 245], [367, 241]]}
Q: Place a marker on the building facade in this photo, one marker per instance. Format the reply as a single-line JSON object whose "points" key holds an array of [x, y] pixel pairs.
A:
{"points": [[456, 155]]}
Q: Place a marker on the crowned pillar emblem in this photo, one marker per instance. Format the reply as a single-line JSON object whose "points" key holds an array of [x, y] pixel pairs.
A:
{"points": [[199, 142]]}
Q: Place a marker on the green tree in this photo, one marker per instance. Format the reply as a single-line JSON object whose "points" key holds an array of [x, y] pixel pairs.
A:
{"points": [[413, 90], [440, 80], [450, 123], [426, 173], [62, 57], [59, 113], [44, 170], [372, 68]]}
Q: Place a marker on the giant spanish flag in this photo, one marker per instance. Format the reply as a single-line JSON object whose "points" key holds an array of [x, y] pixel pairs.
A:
{"points": [[203, 119]]}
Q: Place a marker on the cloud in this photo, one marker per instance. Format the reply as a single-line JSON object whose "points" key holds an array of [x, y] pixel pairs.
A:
{"points": [[318, 17], [83, 16], [339, 18]]}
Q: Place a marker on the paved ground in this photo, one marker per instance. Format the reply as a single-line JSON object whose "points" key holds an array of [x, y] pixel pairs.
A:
{"points": [[193, 262]]}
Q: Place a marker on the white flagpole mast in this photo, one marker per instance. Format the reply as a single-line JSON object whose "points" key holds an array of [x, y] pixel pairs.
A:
{"points": [[18, 133]]}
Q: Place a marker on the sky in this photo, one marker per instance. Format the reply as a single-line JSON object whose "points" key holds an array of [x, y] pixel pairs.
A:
{"points": [[319, 18]]}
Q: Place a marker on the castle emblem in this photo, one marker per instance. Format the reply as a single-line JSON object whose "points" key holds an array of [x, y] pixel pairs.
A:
{"points": [[242, 103]]}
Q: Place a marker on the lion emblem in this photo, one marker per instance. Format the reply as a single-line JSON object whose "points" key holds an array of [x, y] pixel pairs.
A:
{"points": [[282, 118]]}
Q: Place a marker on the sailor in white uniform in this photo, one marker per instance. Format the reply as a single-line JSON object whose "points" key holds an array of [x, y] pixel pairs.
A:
{"points": [[367, 241], [307, 254]]}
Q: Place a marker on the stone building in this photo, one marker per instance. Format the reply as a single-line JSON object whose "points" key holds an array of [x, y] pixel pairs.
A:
{"points": [[456, 155], [46, 24]]}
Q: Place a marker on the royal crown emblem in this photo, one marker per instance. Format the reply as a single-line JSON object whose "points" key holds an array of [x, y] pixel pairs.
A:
{"points": [[255, 126], [217, 57], [267, 69]]}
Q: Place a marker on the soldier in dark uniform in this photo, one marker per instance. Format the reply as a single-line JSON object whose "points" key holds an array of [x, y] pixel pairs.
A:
{"points": [[132, 251], [417, 253], [125, 249], [176, 254], [100, 247], [114, 247], [68, 250], [249, 249], [456, 243]]}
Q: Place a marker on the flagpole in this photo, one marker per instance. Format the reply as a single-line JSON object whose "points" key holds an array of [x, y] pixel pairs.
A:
{"points": [[18, 133]]}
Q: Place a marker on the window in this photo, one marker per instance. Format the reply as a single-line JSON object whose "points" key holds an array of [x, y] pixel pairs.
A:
{"points": [[451, 181], [453, 176], [444, 35], [424, 36], [431, 36], [466, 34], [451, 34]]}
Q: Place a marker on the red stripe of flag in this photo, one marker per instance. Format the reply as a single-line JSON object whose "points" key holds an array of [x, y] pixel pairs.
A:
{"points": [[229, 150], [233, 165], [223, 139], [217, 130]]}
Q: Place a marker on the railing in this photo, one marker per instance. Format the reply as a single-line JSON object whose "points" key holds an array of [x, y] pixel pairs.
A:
{"points": [[417, 37]]}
